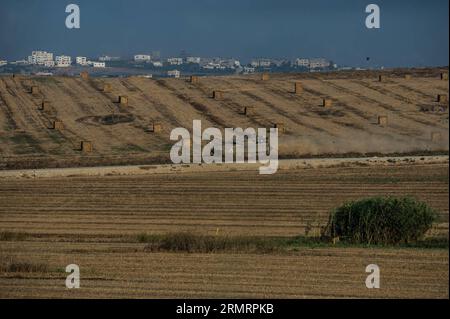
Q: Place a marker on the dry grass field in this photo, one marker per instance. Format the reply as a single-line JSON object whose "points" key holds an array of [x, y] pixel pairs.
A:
{"points": [[96, 222], [102, 223], [121, 134]]}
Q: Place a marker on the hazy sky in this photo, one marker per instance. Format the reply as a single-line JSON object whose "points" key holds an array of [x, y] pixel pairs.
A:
{"points": [[413, 32]]}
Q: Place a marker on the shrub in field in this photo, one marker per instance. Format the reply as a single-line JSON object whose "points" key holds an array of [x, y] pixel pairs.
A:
{"points": [[11, 236], [193, 243], [11, 265], [381, 220]]}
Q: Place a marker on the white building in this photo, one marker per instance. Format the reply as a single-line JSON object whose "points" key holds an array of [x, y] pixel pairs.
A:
{"points": [[81, 60], [280, 62], [63, 61], [142, 58], [106, 58], [3, 62], [40, 57], [318, 63], [213, 66], [19, 62], [157, 64], [145, 76], [49, 64], [99, 65], [175, 61], [44, 74], [302, 62], [193, 59], [261, 63], [230, 63], [248, 70], [174, 73]]}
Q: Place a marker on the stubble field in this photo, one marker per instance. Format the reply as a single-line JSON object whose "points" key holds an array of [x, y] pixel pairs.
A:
{"points": [[96, 223]]}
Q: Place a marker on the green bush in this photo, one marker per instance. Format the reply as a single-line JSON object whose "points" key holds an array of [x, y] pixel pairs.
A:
{"points": [[381, 220], [11, 265], [193, 243]]}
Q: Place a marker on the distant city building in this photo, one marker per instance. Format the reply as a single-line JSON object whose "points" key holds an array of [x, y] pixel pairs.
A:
{"points": [[157, 64], [145, 76], [318, 63], [174, 73], [40, 57], [175, 61], [107, 58], [63, 61], [99, 64], [44, 74], [248, 70], [192, 59], [3, 62], [20, 62], [229, 63], [213, 65], [261, 63], [142, 58], [49, 64], [81, 60], [280, 62], [220, 63], [302, 62]]}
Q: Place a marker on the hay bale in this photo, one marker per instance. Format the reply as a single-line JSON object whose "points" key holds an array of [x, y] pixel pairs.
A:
{"points": [[435, 136], [444, 76], [217, 95], [381, 78], [156, 127], [107, 88], [408, 76], [123, 100], [382, 120], [45, 106], [298, 89], [58, 125], [194, 79], [442, 98], [84, 75], [265, 77], [247, 110], [280, 126], [86, 146], [34, 89], [327, 103]]}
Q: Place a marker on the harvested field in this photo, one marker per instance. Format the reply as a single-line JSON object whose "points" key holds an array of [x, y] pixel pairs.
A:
{"points": [[95, 222], [125, 271], [105, 218], [349, 126], [236, 203]]}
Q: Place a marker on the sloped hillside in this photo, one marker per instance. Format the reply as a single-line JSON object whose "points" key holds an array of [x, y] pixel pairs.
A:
{"points": [[396, 115]]}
